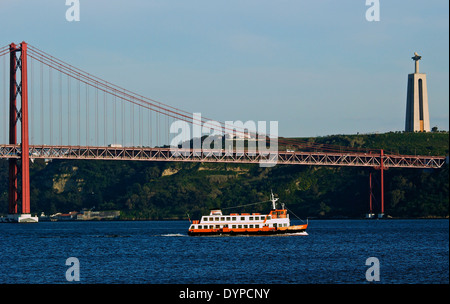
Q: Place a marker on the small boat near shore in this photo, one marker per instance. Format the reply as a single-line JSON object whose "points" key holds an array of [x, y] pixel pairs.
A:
{"points": [[275, 223]]}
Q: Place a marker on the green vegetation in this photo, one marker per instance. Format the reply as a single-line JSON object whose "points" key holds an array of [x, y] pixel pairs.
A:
{"points": [[434, 143], [164, 190]]}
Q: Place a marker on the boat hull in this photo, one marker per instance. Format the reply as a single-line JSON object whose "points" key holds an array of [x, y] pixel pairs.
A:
{"points": [[251, 231]]}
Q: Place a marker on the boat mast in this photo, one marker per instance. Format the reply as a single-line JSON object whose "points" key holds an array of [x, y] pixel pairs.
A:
{"points": [[273, 199]]}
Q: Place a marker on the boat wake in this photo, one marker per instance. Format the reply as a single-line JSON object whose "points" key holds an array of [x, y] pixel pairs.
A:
{"points": [[173, 234], [297, 233]]}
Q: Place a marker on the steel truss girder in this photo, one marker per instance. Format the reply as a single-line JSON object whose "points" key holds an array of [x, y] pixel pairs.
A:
{"points": [[282, 157]]}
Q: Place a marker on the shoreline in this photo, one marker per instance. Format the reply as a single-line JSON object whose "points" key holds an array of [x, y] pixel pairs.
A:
{"points": [[186, 220]]}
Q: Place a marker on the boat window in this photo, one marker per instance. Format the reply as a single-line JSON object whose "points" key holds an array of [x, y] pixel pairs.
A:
{"points": [[233, 226], [228, 218], [239, 226], [217, 226], [251, 218], [242, 218], [268, 217], [256, 218], [216, 218], [192, 227], [211, 219], [245, 226], [205, 219], [211, 226], [251, 226], [233, 218]]}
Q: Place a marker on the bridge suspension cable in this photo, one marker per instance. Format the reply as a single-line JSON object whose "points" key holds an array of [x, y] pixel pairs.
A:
{"points": [[111, 114], [74, 104], [158, 107]]}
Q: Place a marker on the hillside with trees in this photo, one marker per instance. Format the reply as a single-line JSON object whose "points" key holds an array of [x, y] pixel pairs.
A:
{"points": [[171, 190]]}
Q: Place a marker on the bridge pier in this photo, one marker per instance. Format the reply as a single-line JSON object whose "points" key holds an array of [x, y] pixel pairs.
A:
{"points": [[380, 215], [371, 213]]}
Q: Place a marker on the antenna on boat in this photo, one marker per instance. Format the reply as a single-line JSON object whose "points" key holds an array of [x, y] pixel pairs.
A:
{"points": [[273, 199]]}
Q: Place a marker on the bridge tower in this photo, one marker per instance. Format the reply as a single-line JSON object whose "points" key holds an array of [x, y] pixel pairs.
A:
{"points": [[19, 190]]}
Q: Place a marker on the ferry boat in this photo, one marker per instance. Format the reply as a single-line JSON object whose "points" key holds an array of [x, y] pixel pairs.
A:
{"points": [[276, 222]]}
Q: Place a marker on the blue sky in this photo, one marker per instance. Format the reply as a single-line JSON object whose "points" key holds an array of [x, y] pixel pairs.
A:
{"points": [[318, 67]]}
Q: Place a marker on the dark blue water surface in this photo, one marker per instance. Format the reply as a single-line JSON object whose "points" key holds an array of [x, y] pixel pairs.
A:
{"points": [[334, 251]]}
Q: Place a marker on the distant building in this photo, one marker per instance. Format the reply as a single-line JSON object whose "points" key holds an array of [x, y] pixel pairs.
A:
{"points": [[83, 215], [66, 216], [98, 215], [417, 116]]}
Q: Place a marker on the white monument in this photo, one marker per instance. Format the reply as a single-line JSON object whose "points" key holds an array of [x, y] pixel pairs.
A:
{"points": [[417, 117]]}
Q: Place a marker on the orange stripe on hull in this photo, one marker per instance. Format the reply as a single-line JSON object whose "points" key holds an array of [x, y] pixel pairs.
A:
{"points": [[249, 231]]}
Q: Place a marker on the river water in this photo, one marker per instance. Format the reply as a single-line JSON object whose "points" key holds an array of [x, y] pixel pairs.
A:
{"points": [[160, 252]]}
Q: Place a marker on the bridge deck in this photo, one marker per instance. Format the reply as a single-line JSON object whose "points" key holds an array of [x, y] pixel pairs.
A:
{"points": [[280, 157]]}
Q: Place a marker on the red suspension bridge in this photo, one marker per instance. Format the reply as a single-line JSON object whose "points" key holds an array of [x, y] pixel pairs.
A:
{"points": [[57, 111]]}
